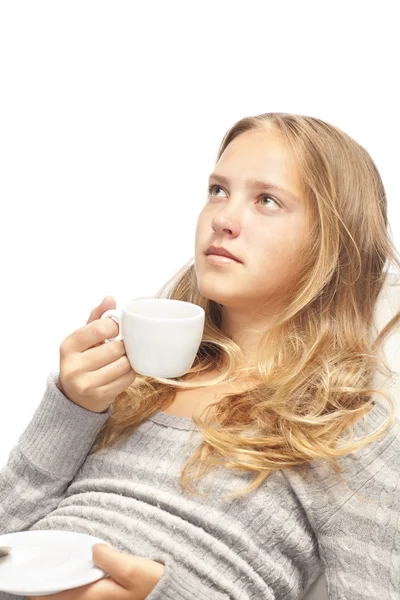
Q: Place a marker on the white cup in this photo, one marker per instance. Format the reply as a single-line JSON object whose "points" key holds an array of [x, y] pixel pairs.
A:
{"points": [[161, 336]]}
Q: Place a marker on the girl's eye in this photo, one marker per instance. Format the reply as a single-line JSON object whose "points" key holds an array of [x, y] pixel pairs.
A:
{"points": [[212, 187]]}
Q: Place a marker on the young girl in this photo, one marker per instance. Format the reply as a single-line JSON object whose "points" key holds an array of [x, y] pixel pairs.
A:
{"points": [[256, 472]]}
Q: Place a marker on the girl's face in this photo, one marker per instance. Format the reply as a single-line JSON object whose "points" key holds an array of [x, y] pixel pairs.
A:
{"points": [[263, 227]]}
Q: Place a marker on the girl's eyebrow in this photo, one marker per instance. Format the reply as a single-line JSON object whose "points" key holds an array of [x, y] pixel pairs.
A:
{"points": [[255, 183]]}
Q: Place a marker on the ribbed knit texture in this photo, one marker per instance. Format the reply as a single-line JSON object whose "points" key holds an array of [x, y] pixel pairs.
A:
{"points": [[271, 544]]}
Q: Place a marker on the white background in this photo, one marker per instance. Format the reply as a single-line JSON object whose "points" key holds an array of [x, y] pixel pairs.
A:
{"points": [[111, 116]]}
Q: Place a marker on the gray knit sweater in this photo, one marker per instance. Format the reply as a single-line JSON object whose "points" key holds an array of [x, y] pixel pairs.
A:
{"points": [[271, 544]]}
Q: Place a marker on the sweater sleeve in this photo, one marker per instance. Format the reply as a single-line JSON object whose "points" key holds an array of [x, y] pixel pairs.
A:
{"points": [[47, 457], [360, 543]]}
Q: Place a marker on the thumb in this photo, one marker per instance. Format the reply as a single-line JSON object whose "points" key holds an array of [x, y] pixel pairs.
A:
{"points": [[113, 562], [107, 303]]}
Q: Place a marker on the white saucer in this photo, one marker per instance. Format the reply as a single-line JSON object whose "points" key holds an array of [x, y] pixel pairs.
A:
{"points": [[47, 562]]}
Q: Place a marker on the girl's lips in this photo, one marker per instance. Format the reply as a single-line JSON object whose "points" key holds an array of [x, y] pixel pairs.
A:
{"points": [[221, 251], [218, 259]]}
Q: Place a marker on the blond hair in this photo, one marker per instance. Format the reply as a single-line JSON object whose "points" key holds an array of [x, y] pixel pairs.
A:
{"points": [[321, 359]]}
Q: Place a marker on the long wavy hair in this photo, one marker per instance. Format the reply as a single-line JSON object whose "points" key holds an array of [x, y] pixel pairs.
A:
{"points": [[317, 374]]}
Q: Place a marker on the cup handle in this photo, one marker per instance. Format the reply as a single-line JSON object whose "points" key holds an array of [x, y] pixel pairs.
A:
{"points": [[116, 316]]}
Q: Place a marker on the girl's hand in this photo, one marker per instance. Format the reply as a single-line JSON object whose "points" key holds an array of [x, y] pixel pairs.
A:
{"points": [[131, 578]]}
